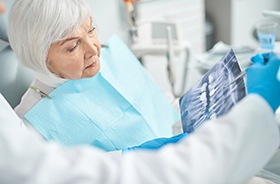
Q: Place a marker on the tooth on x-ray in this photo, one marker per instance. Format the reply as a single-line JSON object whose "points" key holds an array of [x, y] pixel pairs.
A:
{"points": [[209, 98], [212, 91], [203, 97]]}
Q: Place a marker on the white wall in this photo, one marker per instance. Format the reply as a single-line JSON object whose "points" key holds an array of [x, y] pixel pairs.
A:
{"points": [[110, 18], [219, 13]]}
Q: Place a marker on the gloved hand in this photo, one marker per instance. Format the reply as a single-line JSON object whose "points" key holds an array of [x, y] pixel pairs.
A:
{"points": [[263, 78], [156, 143]]}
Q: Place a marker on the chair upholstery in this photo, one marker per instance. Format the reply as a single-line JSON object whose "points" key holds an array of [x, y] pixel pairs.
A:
{"points": [[4, 20], [14, 78]]}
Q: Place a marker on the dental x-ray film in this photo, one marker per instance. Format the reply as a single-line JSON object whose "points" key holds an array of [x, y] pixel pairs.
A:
{"points": [[214, 94]]}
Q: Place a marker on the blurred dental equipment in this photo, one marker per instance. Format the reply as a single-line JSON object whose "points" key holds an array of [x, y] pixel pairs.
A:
{"points": [[131, 17], [158, 37], [266, 33], [163, 38], [170, 57], [271, 13], [208, 59]]}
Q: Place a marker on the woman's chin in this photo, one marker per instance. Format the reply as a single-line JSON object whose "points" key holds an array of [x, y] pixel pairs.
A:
{"points": [[90, 72]]}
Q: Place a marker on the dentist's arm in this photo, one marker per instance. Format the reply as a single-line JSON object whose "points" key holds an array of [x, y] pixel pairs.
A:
{"points": [[228, 150]]}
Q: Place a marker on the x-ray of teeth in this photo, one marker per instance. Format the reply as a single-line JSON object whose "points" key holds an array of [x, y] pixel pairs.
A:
{"points": [[212, 97]]}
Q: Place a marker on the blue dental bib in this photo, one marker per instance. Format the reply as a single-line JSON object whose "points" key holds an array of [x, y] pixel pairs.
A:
{"points": [[119, 107]]}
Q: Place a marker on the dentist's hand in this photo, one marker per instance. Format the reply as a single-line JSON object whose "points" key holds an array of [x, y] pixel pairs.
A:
{"points": [[156, 143], [263, 78]]}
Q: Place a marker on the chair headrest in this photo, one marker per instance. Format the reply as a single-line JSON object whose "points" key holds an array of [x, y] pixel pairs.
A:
{"points": [[4, 21]]}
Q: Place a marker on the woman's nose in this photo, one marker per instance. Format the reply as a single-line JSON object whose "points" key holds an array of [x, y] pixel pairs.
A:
{"points": [[91, 48]]}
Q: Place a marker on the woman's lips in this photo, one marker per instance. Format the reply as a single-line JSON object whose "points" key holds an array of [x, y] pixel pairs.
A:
{"points": [[92, 65]]}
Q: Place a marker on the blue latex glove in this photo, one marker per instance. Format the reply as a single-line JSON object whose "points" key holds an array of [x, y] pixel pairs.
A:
{"points": [[262, 78], [156, 143]]}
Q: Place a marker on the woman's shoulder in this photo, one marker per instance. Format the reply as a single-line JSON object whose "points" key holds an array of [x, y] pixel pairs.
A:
{"points": [[31, 97]]}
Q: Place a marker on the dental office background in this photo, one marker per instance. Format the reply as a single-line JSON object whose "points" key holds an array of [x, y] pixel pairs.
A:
{"points": [[196, 26]]}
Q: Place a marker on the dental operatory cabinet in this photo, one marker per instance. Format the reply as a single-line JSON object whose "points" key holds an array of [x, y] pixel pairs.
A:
{"points": [[196, 26]]}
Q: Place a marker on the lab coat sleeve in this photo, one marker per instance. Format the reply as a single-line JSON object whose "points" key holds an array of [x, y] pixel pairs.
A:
{"points": [[229, 150]]}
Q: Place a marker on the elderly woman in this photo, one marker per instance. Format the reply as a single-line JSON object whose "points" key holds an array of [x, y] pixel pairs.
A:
{"points": [[58, 41]]}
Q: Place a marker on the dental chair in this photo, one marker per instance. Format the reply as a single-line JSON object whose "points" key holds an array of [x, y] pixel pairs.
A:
{"points": [[14, 78]]}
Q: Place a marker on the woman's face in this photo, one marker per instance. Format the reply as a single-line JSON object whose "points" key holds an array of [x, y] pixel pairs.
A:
{"points": [[76, 56]]}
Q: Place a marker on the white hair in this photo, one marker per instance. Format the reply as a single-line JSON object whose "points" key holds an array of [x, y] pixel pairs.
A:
{"points": [[34, 25]]}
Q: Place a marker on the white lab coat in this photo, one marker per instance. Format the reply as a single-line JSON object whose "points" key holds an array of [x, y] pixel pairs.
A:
{"points": [[229, 150]]}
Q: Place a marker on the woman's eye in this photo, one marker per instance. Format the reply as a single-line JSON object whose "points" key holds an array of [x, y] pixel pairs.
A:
{"points": [[74, 47], [92, 30]]}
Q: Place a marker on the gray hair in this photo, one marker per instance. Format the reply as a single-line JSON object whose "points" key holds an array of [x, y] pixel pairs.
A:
{"points": [[34, 25]]}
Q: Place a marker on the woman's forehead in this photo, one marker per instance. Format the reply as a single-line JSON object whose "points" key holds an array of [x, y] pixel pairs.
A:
{"points": [[84, 26]]}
